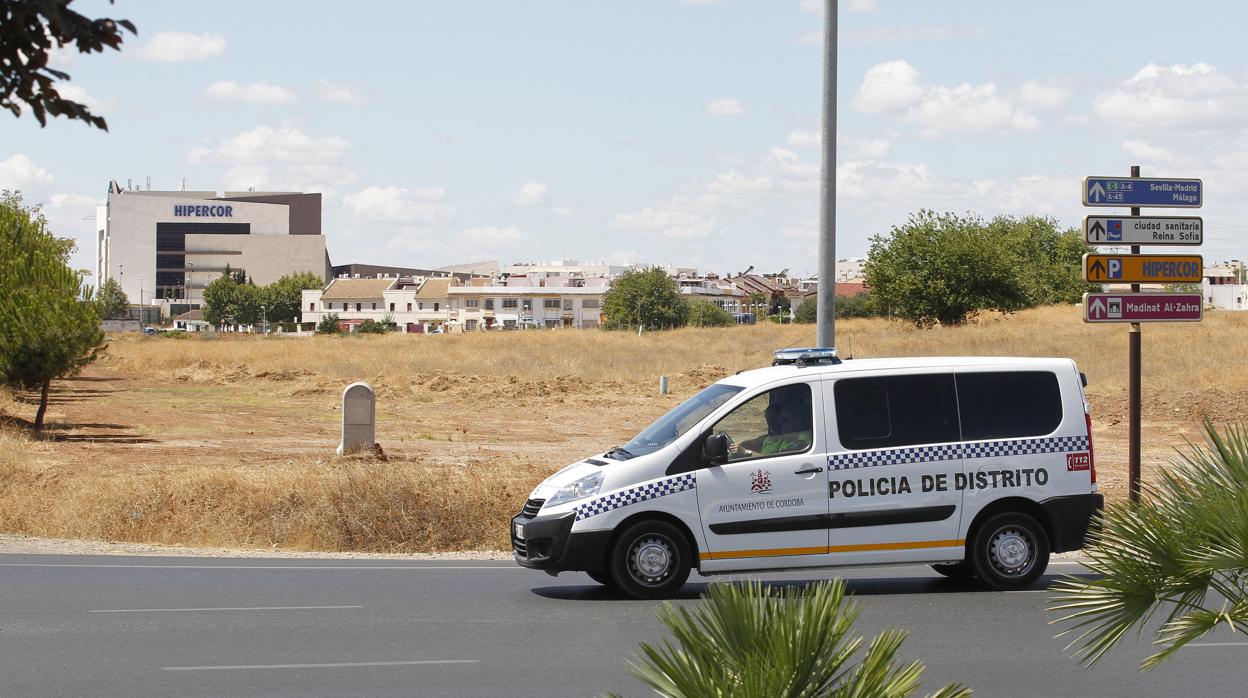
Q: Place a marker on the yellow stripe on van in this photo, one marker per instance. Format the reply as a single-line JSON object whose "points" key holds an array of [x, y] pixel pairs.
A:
{"points": [[824, 550]]}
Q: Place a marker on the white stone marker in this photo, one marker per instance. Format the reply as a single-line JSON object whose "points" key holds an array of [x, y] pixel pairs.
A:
{"points": [[359, 418]]}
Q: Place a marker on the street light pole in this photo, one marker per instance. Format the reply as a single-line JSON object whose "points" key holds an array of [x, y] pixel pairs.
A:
{"points": [[825, 332]]}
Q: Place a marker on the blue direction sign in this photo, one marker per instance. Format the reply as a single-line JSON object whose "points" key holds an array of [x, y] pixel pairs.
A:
{"points": [[1141, 191]]}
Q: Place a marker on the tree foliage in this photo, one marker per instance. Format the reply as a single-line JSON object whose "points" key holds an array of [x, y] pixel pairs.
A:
{"points": [[49, 327], [219, 306], [282, 298], [944, 268], [111, 301], [328, 325], [648, 298], [746, 639], [234, 299], [807, 312], [29, 32], [707, 314], [1182, 551]]}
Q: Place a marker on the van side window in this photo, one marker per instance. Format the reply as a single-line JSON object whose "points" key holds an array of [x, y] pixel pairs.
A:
{"points": [[777, 422], [1008, 404], [891, 411]]}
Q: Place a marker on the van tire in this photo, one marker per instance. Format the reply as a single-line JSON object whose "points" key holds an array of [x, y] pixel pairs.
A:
{"points": [[650, 560], [955, 570], [1009, 551]]}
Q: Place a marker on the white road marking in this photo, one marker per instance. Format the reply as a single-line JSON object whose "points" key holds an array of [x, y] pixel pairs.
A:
{"points": [[239, 667], [1218, 644], [262, 567], [239, 608]]}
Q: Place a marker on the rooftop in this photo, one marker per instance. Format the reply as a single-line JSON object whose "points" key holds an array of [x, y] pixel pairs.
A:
{"points": [[345, 289]]}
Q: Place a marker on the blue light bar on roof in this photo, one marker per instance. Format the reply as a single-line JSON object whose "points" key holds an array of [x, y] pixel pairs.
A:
{"points": [[808, 356]]}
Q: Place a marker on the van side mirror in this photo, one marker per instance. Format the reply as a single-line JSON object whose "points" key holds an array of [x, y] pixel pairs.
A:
{"points": [[715, 449]]}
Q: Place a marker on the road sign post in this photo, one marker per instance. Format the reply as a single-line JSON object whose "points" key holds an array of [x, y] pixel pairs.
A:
{"points": [[1135, 307], [1143, 268], [1143, 230], [1142, 307]]}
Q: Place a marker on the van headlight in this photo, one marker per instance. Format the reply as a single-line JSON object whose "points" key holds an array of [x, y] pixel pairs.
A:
{"points": [[587, 486]]}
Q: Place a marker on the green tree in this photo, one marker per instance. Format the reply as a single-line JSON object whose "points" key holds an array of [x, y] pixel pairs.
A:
{"points": [[283, 297], [944, 268], [1181, 551], [371, 327], [219, 306], [807, 312], [707, 314], [328, 325], [111, 301], [29, 32], [649, 298], [248, 303], [750, 640], [49, 326]]}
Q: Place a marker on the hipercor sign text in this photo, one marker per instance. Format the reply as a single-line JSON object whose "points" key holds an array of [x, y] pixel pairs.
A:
{"points": [[203, 211]]}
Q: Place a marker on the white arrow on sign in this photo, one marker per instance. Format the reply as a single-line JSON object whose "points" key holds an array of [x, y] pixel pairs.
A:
{"points": [[1096, 191], [1097, 309]]}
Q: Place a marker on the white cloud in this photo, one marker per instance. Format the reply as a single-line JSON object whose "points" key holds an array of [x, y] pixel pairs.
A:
{"points": [[332, 92], [563, 211], [734, 183], [493, 236], [181, 47], [531, 193], [801, 138], [923, 32], [1146, 151], [673, 219], [873, 148], [1176, 96], [399, 205], [20, 172], [894, 87], [256, 93], [724, 107], [81, 96], [888, 87], [861, 5], [1041, 96], [284, 157]]}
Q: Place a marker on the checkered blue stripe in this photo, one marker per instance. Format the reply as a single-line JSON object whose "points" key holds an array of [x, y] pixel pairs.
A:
{"points": [[1025, 447], [978, 449], [633, 495]]}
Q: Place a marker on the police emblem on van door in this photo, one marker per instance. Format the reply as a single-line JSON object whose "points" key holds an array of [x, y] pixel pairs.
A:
{"points": [[760, 482]]}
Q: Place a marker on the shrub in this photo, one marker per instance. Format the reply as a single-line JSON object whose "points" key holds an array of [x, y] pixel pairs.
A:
{"points": [[707, 314], [328, 325], [750, 640]]}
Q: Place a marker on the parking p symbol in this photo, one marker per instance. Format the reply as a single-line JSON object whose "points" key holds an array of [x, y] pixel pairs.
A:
{"points": [[1114, 268]]}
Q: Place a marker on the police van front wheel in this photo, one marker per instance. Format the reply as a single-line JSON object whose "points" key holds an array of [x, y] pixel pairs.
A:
{"points": [[651, 560], [1010, 551]]}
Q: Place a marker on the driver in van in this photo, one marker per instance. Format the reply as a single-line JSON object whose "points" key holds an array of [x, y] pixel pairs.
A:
{"points": [[789, 426]]}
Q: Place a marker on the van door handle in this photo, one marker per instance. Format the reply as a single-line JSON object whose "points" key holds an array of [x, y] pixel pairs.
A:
{"points": [[807, 470]]}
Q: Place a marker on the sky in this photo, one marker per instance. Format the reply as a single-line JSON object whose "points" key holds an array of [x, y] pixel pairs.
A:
{"points": [[656, 131]]}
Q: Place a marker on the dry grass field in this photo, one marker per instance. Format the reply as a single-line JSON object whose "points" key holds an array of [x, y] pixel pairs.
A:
{"points": [[229, 442]]}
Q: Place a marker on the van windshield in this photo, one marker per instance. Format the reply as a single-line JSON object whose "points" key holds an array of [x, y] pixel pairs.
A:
{"points": [[670, 426]]}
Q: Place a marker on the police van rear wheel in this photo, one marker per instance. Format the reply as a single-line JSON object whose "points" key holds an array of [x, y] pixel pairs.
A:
{"points": [[651, 560], [1010, 551]]}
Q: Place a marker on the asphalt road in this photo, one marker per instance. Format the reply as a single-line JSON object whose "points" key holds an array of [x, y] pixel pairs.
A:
{"points": [[143, 626]]}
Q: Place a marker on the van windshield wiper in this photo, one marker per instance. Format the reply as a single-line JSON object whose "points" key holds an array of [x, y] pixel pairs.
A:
{"points": [[621, 451]]}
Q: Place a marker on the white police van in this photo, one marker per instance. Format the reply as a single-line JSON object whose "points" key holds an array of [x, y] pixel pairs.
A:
{"points": [[981, 467]]}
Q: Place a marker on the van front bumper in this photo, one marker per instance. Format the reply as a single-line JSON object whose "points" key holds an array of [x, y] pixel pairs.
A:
{"points": [[548, 544]]}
